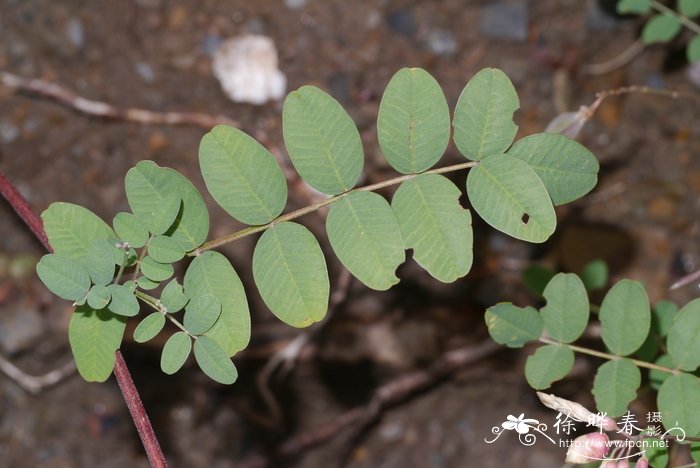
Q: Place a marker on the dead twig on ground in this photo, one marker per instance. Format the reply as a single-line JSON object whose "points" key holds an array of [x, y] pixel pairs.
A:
{"points": [[619, 61], [386, 396], [34, 384], [100, 109]]}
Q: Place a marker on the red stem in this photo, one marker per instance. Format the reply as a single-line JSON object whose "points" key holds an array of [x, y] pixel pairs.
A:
{"points": [[121, 371]]}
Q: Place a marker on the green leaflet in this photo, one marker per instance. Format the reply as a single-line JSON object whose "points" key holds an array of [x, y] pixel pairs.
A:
{"points": [[566, 314], [634, 6], [536, 278], [291, 275], [549, 364], [165, 214], [242, 176], [211, 273], [64, 277], [130, 229], [625, 317], [156, 271], [657, 377], [100, 261], [661, 28], [72, 228], [413, 125], [435, 226], [510, 196], [148, 185], [173, 297], [322, 140], [567, 169], [679, 400], [365, 235], [95, 336], [483, 119], [689, 8], [165, 249], [149, 327], [147, 284], [693, 50], [662, 316], [201, 314], [175, 352], [123, 300], [615, 386], [683, 340], [513, 326], [595, 275], [213, 361], [98, 297]]}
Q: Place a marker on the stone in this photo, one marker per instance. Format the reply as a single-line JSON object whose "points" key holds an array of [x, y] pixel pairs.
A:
{"points": [[505, 20]]}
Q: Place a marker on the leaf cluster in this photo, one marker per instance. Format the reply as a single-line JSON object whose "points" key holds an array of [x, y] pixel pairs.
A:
{"points": [[662, 340], [106, 270]]}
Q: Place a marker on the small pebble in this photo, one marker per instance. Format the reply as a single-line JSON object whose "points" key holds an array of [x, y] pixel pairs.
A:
{"points": [[295, 4], [501, 20], [442, 42], [145, 71], [75, 32]]}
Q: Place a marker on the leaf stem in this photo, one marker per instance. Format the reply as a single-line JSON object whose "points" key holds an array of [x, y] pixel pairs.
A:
{"points": [[684, 20], [234, 236], [611, 357], [158, 306]]}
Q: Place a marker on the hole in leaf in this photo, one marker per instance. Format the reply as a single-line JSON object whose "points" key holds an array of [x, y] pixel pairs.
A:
{"points": [[525, 218]]}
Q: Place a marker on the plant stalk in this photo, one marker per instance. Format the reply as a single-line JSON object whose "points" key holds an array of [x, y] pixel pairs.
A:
{"points": [[121, 371], [234, 236]]}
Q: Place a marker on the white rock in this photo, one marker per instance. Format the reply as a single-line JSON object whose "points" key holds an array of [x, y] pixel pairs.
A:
{"points": [[246, 67]]}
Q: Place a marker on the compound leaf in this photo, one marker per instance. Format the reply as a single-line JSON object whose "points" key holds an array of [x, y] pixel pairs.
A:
{"points": [[435, 226], [679, 400], [291, 275], [95, 336], [213, 361], [201, 314], [164, 249], [615, 386], [175, 352], [483, 119], [149, 327], [156, 271], [625, 317], [413, 124], [683, 340], [510, 196], [211, 273], [130, 229], [633, 6], [661, 28], [71, 229], [148, 184], [63, 276], [549, 364], [567, 169], [365, 235], [322, 140], [173, 297], [513, 326], [566, 314], [123, 300], [242, 176]]}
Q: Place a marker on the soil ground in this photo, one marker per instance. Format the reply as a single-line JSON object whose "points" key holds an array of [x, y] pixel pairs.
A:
{"points": [[155, 54]]}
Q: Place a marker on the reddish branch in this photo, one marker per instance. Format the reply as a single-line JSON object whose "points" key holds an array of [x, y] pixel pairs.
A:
{"points": [[384, 397], [80, 104], [121, 371]]}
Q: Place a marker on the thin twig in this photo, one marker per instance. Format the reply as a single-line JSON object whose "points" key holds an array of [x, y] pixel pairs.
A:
{"points": [[616, 62], [73, 101], [686, 280], [121, 371], [34, 384], [386, 396]]}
